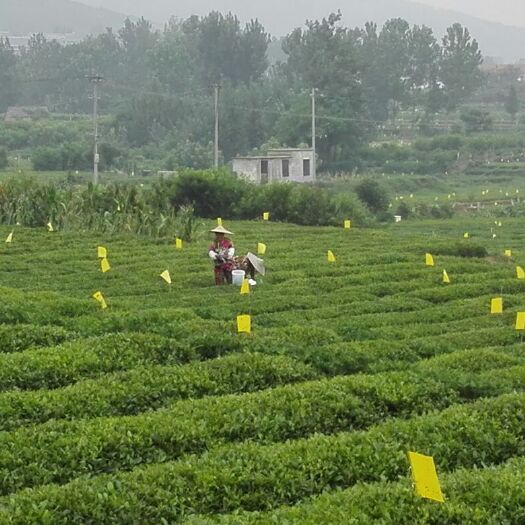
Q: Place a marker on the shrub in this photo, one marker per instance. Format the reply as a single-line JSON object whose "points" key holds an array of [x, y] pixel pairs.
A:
{"points": [[258, 477], [373, 195], [461, 249], [3, 158]]}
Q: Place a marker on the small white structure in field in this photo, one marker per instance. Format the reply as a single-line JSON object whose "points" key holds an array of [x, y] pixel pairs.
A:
{"points": [[279, 165], [398, 218]]}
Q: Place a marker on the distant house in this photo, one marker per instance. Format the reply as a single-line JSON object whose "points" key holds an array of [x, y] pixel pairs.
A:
{"points": [[279, 165], [25, 113]]}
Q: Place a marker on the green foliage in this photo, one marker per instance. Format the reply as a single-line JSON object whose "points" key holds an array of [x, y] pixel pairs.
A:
{"points": [[373, 195], [158, 93], [156, 409], [489, 496], [476, 435], [4, 161], [512, 103], [461, 58], [464, 249], [476, 121], [147, 388]]}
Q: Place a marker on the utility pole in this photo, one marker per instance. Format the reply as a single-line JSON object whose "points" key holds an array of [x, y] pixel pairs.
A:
{"points": [[95, 80], [314, 161], [216, 145]]}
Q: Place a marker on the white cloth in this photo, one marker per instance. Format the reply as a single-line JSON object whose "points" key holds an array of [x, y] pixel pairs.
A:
{"points": [[229, 254]]}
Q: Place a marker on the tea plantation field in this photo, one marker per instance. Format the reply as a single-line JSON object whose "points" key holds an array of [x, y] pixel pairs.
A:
{"points": [[156, 411]]}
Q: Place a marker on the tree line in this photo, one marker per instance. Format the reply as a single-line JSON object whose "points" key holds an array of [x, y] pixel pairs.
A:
{"points": [[159, 84]]}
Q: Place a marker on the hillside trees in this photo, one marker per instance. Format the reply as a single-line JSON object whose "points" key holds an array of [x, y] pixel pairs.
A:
{"points": [[8, 74], [159, 84], [323, 56], [459, 68], [512, 103]]}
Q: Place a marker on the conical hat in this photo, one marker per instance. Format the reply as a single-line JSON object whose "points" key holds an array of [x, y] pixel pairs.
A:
{"points": [[221, 229], [257, 263]]}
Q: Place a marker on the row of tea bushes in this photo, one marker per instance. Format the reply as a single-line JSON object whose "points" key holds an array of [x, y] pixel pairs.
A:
{"points": [[491, 496], [149, 388], [57, 452], [254, 477]]}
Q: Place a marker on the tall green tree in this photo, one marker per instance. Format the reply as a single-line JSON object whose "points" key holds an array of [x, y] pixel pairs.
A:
{"points": [[460, 65], [226, 51], [8, 75], [423, 67], [512, 103], [323, 56]]}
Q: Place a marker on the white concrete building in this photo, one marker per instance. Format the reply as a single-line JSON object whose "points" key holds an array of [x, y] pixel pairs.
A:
{"points": [[280, 165]]}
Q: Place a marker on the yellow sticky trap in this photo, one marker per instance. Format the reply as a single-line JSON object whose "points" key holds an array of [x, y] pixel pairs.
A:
{"points": [[429, 260], [219, 221], [520, 272], [261, 248], [446, 278], [520, 321], [104, 265], [331, 256], [166, 276], [100, 299], [466, 235], [348, 225], [102, 252], [9, 239], [266, 216], [50, 228], [425, 477], [245, 288], [496, 306], [178, 243], [508, 253], [244, 324]]}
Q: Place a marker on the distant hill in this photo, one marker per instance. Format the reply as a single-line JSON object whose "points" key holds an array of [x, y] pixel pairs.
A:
{"points": [[280, 17], [55, 16]]}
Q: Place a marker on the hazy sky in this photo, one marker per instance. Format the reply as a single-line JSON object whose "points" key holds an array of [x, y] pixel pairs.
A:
{"points": [[505, 11]]}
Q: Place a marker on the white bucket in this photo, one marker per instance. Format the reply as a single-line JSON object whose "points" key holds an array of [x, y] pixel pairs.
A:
{"points": [[238, 277]]}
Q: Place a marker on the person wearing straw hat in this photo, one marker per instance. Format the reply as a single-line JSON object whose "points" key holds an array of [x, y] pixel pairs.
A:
{"points": [[251, 264], [222, 252]]}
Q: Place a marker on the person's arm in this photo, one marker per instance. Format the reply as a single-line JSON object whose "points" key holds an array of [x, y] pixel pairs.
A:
{"points": [[213, 255]]}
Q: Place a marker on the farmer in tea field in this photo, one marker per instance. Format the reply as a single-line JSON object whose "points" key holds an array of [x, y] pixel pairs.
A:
{"points": [[251, 264], [222, 253]]}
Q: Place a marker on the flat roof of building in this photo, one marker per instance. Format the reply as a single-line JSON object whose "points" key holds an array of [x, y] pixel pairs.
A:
{"points": [[266, 157]]}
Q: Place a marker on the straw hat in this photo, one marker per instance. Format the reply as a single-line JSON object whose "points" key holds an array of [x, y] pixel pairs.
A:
{"points": [[257, 263], [221, 229]]}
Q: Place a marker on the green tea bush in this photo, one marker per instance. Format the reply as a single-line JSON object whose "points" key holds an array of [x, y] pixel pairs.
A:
{"points": [[488, 496], [148, 388], [59, 366], [261, 478], [289, 412], [16, 338], [461, 249]]}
